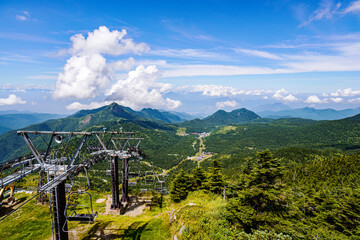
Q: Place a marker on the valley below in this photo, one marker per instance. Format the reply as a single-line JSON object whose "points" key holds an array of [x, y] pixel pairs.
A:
{"points": [[231, 175]]}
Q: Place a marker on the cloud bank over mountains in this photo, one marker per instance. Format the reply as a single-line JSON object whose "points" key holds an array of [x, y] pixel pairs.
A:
{"points": [[11, 100], [88, 74], [100, 70]]}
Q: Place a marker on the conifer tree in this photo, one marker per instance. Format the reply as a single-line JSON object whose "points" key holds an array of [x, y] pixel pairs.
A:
{"points": [[200, 178], [180, 187], [263, 198], [216, 182]]}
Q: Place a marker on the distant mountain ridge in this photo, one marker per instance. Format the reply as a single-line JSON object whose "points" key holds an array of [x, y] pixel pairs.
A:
{"points": [[311, 113], [275, 107], [164, 125], [221, 118], [20, 120], [354, 118], [117, 115], [236, 116], [186, 116], [118, 111], [110, 116]]}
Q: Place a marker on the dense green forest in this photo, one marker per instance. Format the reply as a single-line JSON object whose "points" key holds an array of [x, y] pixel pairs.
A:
{"points": [[313, 198], [276, 134], [265, 179]]}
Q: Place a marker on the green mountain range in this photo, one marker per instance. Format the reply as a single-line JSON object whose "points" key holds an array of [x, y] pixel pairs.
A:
{"points": [[20, 120], [275, 134], [116, 111], [114, 116], [310, 113], [246, 131], [111, 117], [220, 118], [317, 173]]}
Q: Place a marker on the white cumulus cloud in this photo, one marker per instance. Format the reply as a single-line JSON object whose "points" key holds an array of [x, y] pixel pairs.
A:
{"points": [[92, 105], [140, 90], [348, 92], [282, 95], [104, 41], [290, 98], [355, 100], [313, 99], [228, 103], [336, 100], [83, 77], [87, 73], [11, 100]]}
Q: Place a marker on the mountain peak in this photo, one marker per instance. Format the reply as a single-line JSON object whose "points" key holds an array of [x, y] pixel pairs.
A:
{"points": [[235, 116], [118, 111], [219, 112], [113, 104]]}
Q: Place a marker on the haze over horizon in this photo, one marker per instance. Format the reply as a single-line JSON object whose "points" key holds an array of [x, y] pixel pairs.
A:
{"points": [[188, 56]]}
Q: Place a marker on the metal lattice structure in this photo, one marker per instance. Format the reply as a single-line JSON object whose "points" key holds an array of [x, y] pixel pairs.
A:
{"points": [[67, 154], [60, 156]]}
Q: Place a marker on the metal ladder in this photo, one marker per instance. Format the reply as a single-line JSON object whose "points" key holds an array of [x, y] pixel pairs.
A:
{"points": [[55, 225]]}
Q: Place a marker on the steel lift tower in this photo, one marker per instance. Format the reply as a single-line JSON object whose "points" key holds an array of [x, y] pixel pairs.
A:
{"points": [[66, 155]]}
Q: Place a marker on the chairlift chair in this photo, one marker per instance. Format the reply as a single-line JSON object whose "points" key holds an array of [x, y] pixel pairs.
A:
{"points": [[90, 216], [160, 184], [149, 179], [134, 169]]}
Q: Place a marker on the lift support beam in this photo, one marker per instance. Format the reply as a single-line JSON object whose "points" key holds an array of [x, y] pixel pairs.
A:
{"points": [[56, 184], [115, 181], [58, 208], [125, 184]]}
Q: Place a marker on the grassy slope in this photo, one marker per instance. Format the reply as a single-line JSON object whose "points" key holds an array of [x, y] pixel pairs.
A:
{"points": [[30, 222], [33, 221]]}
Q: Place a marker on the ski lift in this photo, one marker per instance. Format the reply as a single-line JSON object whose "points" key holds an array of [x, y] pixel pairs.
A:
{"points": [[149, 180], [160, 184], [134, 169], [89, 216]]}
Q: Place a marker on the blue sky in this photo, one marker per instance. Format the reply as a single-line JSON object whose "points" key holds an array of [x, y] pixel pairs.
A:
{"points": [[189, 56]]}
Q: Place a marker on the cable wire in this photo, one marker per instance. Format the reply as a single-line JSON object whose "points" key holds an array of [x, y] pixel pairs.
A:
{"points": [[18, 207]]}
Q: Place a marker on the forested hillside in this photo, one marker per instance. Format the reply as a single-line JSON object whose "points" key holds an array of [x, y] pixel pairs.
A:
{"points": [[112, 117], [276, 134], [307, 186], [20, 120], [220, 118]]}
